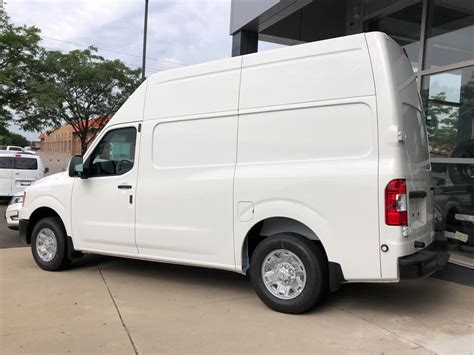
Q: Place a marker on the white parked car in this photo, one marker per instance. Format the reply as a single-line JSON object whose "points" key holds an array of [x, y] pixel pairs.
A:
{"points": [[18, 171], [305, 167], [13, 211], [13, 148], [29, 150], [16, 149]]}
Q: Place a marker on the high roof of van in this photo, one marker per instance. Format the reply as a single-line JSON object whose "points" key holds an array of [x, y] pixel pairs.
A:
{"points": [[323, 46], [324, 70]]}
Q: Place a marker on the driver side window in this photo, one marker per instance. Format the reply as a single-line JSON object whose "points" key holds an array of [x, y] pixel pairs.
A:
{"points": [[114, 155]]}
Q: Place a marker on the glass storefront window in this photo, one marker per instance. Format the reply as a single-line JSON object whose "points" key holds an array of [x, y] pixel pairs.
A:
{"points": [[404, 27], [448, 98], [450, 32]]}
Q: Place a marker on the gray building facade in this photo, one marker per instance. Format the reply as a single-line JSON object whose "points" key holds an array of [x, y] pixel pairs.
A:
{"points": [[438, 36]]}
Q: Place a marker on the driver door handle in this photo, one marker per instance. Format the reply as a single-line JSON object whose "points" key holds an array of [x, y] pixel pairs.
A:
{"points": [[124, 187]]}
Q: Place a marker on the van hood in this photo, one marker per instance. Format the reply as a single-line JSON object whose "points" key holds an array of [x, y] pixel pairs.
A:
{"points": [[49, 180]]}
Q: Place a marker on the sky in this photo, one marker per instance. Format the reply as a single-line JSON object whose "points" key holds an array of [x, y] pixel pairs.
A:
{"points": [[180, 32]]}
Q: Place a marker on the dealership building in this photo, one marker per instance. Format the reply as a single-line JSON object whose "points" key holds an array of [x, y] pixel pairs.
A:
{"points": [[438, 36]]}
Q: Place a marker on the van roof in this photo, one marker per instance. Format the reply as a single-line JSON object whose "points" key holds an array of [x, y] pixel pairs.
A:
{"points": [[7, 153], [203, 83], [327, 45]]}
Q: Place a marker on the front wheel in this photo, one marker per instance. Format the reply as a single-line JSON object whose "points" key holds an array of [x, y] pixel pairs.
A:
{"points": [[289, 273], [48, 244]]}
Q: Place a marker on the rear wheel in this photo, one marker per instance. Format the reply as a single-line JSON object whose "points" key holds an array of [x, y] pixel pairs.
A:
{"points": [[289, 273], [48, 244]]}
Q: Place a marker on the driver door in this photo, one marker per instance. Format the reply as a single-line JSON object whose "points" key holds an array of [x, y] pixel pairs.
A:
{"points": [[103, 203]]}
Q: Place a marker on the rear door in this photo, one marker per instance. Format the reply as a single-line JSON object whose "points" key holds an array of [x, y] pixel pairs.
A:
{"points": [[26, 170], [415, 151], [6, 176]]}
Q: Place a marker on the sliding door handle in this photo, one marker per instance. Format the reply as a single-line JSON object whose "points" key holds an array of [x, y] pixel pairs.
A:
{"points": [[124, 187]]}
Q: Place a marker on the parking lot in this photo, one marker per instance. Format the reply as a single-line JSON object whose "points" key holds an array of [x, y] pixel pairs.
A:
{"points": [[8, 238], [117, 306]]}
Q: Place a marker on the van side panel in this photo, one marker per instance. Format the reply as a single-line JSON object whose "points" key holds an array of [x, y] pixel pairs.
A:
{"points": [[325, 70], [203, 89], [187, 165], [308, 148], [184, 197]]}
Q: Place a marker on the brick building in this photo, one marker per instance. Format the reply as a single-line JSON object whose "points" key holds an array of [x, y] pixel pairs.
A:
{"points": [[63, 140]]}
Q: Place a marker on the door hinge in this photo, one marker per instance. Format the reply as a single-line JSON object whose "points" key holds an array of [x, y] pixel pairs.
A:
{"points": [[139, 127], [402, 136]]}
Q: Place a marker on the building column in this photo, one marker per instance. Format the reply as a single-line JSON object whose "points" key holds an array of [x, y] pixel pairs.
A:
{"points": [[244, 42]]}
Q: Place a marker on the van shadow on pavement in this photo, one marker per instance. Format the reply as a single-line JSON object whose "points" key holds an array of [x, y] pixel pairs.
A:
{"points": [[162, 271], [406, 298]]}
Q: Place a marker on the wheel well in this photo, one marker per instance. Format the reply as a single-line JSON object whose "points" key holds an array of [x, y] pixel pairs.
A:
{"points": [[272, 226], [37, 215]]}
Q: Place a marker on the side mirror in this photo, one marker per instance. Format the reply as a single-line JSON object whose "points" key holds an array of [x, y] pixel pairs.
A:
{"points": [[76, 167], [46, 170]]}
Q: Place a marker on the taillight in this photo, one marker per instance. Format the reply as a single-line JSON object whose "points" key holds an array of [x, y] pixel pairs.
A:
{"points": [[396, 203]]}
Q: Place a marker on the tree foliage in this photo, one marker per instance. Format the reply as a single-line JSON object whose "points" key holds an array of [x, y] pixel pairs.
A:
{"points": [[76, 87], [18, 51], [9, 138], [443, 126], [41, 89]]}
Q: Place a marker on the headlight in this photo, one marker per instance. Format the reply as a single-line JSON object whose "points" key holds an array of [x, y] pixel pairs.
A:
{"points": [[16, 199]]}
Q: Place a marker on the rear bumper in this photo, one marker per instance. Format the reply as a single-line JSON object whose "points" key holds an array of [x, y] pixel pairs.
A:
{"points": [[23, 228], [423, 263]]}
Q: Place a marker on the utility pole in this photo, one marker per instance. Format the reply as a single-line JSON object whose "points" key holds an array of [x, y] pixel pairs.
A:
{"points": [[145, 29]]}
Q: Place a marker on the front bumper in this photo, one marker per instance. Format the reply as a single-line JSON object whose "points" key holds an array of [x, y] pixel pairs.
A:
{"points": [[12, 219], [423, 263], [23, 228]]}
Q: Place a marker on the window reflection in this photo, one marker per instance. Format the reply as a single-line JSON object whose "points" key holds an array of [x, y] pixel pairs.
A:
{"points": [[450, 32], [404, 27], [454, 204], [449, 104], [449, 99]]}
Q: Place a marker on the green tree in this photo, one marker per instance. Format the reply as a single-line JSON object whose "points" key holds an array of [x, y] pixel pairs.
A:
{"points": [[9, 138], [443, 125], [18, 51], [75, 87]]}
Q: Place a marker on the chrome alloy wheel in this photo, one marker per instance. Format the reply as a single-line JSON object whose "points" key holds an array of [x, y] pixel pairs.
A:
{"points": [[283, 274], [46, 244]]}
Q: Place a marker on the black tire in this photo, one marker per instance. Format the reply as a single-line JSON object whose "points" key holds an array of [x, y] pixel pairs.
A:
{"points": [[60, 259], [314, 262]]}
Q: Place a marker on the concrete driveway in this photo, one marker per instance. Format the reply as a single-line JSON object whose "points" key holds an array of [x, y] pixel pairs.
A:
{"points": [[105, 305], [117, 306]]}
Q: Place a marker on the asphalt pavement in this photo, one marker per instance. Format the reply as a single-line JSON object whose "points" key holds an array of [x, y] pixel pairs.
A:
{"points": [[8, 238]]}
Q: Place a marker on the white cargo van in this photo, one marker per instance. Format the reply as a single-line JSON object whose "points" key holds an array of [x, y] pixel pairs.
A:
{"points": [[18, 171], [305, 167]]}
